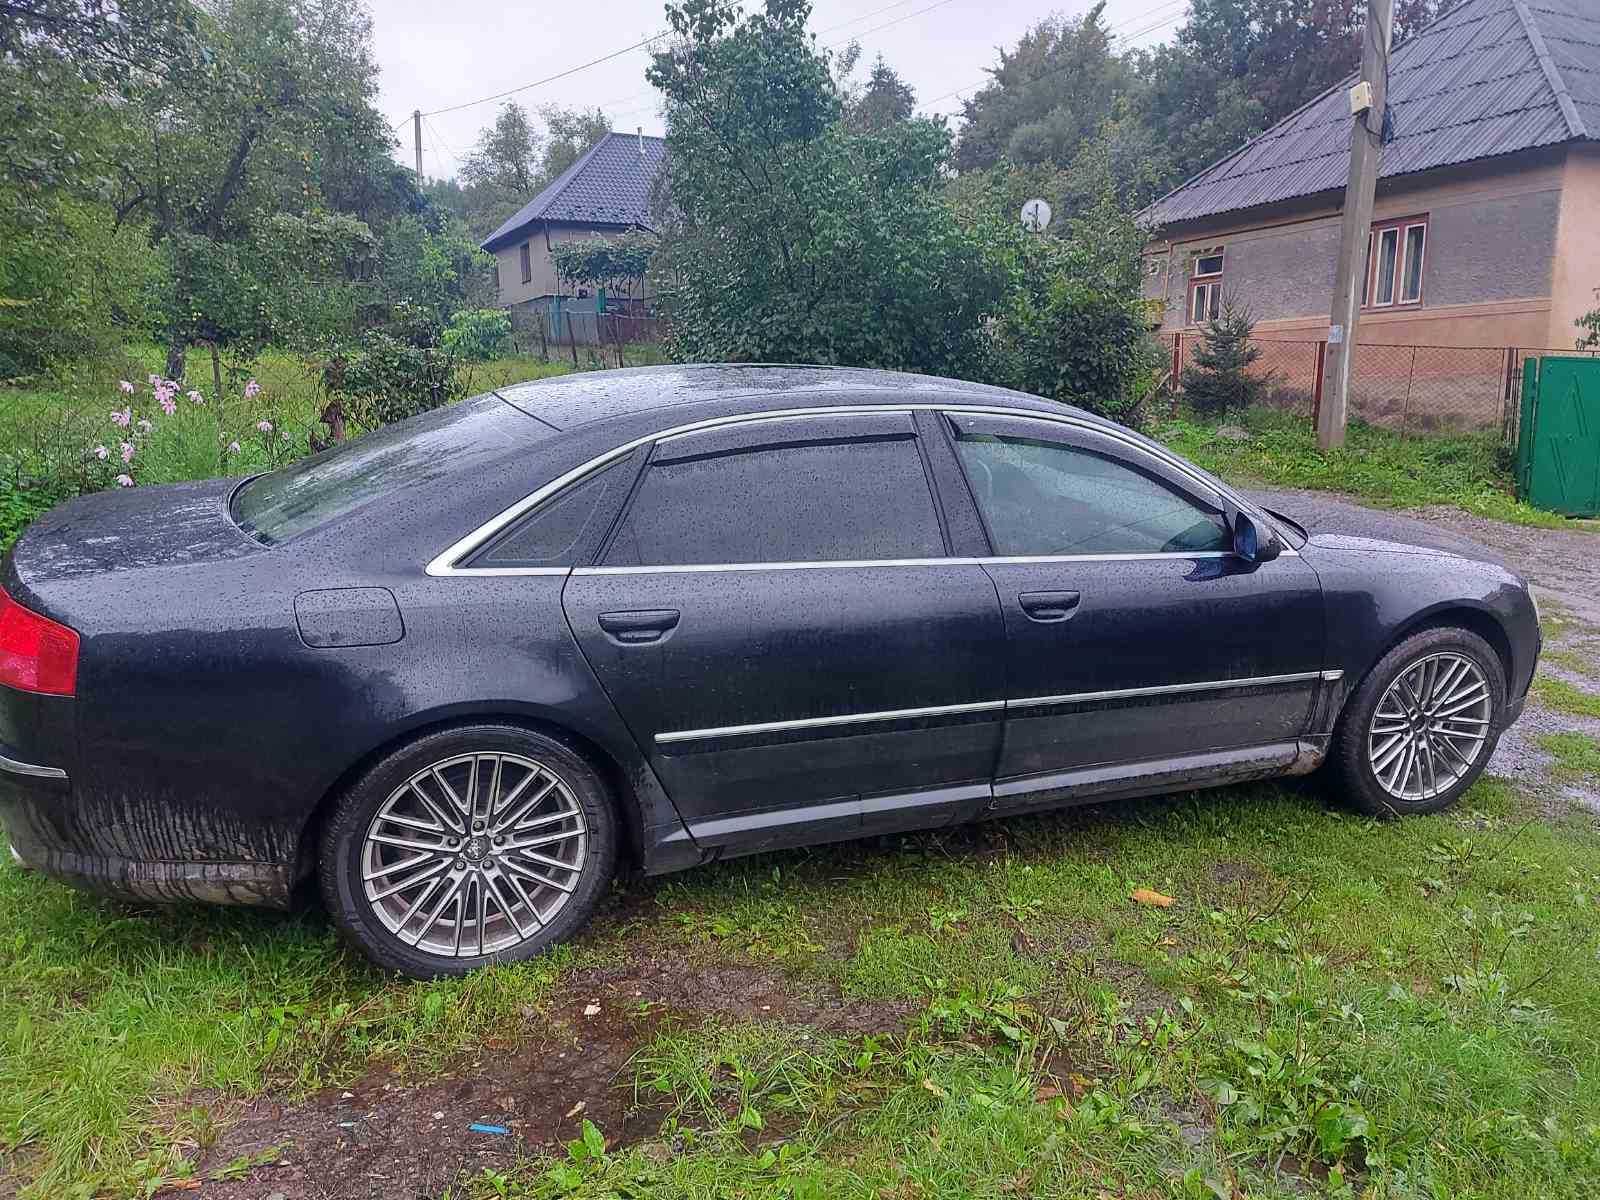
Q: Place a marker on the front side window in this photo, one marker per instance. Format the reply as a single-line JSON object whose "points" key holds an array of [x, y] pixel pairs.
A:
{"points": [[778, 498], [1048, 498], [527, 264], [1205, 302]]}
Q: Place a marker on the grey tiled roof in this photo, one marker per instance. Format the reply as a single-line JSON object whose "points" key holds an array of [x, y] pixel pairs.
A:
{"points": [[1490, 77], [608, 185]]}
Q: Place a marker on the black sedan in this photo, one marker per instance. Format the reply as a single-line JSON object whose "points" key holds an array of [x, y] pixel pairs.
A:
{"points": [[460, 668]]}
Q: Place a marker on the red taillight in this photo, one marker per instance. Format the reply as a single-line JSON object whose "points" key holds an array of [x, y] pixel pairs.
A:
{"points": [[36, 653]]}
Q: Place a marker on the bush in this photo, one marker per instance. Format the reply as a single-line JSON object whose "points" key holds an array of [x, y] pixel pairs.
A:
{"points": [[478, 334]]}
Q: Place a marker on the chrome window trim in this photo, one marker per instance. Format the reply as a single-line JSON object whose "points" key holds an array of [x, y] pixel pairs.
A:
{"points": [[14, 766], [953, 561], [904, 714], [443, 564]]}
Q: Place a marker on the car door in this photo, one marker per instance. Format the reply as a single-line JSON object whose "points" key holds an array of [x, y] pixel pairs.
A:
{"points": [[778, 621], [1136, 640]]}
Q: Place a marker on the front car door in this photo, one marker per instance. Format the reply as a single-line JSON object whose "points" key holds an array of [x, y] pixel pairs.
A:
{"points": [[777, 620], [1139, 646]]}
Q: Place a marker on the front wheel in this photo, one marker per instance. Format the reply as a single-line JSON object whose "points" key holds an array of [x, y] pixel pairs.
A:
{"points": [[1422, 725], [479, 844]]}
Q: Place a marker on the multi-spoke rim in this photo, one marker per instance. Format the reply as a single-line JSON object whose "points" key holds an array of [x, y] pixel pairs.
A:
{"points": [[1430, 726], [474, 854]]}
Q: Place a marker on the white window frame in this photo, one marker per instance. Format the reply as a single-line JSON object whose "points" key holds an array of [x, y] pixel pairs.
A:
{"points": [[1218, 254], [1211, 308], [1401, 229]]}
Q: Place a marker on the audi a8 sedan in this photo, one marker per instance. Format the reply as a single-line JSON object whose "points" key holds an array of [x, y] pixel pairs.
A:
{"points": [[461, 669]]}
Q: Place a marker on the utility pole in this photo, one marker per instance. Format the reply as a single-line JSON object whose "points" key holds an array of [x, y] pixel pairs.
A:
{"points": [[416, 137], [1366, 152]]}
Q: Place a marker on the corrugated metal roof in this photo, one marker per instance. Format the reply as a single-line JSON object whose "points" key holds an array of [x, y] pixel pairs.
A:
{"points": [[1491, 77], [608, 185]]}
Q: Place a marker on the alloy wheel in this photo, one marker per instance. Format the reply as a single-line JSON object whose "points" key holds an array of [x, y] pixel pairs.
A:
{"points": [[474, 854], [1430, 726]]}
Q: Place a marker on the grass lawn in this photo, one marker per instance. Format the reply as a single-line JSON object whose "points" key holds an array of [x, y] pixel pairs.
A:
{"points": [[1467, 471], [1329, 1005]]}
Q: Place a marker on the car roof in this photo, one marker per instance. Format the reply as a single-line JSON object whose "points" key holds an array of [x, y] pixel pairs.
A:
{"points": [[645, 399]]}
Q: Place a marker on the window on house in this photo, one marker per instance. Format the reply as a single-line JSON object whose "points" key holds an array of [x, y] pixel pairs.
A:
{"points": [[1205, 302], [497, 274], [1396, 252], [1205, 287], [527, 264]]}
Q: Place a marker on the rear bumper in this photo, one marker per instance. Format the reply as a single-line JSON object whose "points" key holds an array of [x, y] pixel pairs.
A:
{"points": [[37, 813]]}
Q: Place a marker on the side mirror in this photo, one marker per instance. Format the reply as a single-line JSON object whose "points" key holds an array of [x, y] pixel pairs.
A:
{"points": [[1251, 542]]}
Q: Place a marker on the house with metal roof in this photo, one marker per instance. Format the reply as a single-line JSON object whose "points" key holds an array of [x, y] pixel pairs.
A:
{"points": [[1487, 222], [604, 193]]}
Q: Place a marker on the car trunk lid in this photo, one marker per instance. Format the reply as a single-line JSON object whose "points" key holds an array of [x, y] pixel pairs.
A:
{"points": [[130, 529]]}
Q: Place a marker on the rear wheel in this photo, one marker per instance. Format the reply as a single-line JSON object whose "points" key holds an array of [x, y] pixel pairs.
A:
{"points": [[480, 844], [1422, 725]]}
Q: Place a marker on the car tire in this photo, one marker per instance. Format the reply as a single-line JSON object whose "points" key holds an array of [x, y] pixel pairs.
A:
{"points": [[492, 897], [1438, 696]]}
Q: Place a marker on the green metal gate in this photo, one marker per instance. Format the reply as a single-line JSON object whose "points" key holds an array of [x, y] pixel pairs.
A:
{"points": [[1558, 443]]}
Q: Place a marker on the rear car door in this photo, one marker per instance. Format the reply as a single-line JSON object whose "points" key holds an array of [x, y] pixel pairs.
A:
{"points": [[1136, 640], [777, 619]]}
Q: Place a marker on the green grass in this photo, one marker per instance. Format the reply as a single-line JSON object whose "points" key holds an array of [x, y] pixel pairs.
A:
{"points": [[1577, 755], [1564, 697], [1409, 1003], [1466, 471]]}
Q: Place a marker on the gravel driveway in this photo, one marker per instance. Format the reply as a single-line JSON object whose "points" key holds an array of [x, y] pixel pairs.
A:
{"points": [[1564, 568]]}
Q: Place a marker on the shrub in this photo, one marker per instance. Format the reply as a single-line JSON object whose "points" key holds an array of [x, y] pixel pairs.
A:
{"points": [[478, 334]]}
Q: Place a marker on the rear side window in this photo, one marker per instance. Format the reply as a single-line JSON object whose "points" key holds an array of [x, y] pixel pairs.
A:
{"points": [[1049, 498], [566, 529], [811, 500]]}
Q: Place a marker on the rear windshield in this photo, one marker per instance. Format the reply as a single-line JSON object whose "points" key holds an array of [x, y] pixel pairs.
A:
{"points": [[314, 491]]}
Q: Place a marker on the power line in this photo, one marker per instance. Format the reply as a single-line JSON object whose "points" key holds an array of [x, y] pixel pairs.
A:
{"points": [[593, 62]]}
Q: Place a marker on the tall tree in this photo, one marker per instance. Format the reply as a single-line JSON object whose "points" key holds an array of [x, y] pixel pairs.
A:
{"points": [[506, 156], [791, 237], [884, 99], [568, 133], [1048, 95]]}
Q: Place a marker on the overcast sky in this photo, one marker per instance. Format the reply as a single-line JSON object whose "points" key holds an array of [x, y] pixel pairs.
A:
{"points": [[437, 54]]}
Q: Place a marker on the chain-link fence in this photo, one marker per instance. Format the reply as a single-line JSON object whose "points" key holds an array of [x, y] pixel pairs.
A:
{"points": [[1413, 390]]}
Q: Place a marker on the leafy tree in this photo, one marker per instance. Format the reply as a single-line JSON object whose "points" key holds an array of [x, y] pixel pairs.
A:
{"points": [[569, 132], [790, 236], [1048, 95], [1217, 379], [506, 156]]}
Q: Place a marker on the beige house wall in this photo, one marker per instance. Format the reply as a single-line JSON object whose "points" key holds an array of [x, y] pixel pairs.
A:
{"points": [[1496, 233], [1576, 268], [539, 238]]}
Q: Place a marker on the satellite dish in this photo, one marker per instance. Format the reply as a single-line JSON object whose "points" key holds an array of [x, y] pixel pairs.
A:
{"points": [[1035, 215]]}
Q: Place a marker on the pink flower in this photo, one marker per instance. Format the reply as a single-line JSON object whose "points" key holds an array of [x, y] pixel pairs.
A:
{"points": [[102, 453], [169, 405], [264, 426], [122, 417], [145, 426], [124, 480], [154, 379], [127, 388], [196, 398], [127, 452], [284, 435], [252, 390], [233, 447]]}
